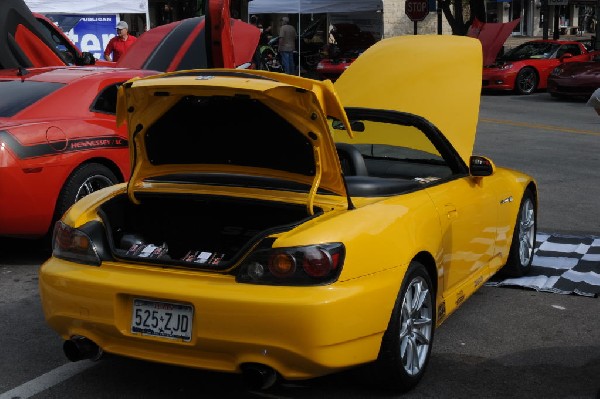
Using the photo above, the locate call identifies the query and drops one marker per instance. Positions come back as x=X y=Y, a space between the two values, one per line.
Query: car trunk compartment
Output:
x=195 y=231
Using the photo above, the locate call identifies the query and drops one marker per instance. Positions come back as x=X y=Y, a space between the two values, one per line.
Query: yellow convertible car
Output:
x=287 y=228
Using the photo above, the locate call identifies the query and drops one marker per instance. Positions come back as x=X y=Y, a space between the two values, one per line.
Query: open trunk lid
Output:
x=244 y=129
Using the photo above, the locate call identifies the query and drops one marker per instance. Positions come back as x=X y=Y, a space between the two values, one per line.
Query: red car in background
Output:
x=525 y=68
x=575 y=80
x=58 y=135
x=350 y=42
x=59 y=141
x=35 y=41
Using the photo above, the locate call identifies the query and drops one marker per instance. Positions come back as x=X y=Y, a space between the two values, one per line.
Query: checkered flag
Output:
x=562 y=264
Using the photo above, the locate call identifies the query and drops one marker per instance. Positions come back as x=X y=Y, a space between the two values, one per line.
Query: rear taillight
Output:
x=301 y=266
x=74 y=245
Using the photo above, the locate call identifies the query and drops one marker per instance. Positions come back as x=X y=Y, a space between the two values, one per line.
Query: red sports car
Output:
x=32 y=40
x=575 y=79
x=525 y=68
x=58 y=135
x=350 y=43
x=58 y=142
x=192 y=44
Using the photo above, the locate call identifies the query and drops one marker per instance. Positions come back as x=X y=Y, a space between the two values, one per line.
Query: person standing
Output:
x=287 y=45
x=118 y=45
x=166 y=16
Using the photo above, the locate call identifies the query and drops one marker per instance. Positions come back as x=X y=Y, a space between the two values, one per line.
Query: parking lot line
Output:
x=48 y=380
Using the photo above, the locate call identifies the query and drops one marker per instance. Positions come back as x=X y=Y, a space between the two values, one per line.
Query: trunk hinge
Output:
x=316 y=181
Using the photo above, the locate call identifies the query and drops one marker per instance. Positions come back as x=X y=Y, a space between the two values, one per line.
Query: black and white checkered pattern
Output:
x=562 y=264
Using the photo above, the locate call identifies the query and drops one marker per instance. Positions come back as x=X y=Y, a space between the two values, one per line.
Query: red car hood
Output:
x=588 y=68
x=492 y=36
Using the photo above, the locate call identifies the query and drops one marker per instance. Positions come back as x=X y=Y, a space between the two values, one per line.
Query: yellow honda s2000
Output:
x=278 y=226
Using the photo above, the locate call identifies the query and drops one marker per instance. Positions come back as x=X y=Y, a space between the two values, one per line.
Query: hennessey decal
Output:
x=45 y=149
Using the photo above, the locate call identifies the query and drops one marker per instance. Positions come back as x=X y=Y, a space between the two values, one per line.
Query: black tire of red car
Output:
x=406 y=344
x=526 y=81
x=84 y=180
x=522 y=246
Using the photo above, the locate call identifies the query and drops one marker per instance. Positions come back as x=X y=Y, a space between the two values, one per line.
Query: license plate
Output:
x=162 y=319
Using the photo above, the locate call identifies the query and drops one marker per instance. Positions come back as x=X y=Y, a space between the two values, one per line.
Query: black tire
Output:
x=406 y=344
x=523 y=241
x=84 y=180
x=527 y=81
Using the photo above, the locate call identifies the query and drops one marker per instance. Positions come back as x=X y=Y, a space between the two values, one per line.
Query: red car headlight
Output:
x=299 y=266
x=505 y=67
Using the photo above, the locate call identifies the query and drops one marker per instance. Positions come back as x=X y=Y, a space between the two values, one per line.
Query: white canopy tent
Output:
x=312 y=6
x=90 y=7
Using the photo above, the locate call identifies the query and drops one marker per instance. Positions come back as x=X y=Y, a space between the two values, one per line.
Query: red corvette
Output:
x=58 y=142
x=525 y=68
x=577 y=80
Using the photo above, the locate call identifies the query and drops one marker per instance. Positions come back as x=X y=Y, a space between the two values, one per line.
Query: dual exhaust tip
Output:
x=256 y=376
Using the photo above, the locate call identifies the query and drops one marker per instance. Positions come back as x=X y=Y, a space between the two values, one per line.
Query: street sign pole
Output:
x=416 y=10
x=595 y=40
x=439 y=17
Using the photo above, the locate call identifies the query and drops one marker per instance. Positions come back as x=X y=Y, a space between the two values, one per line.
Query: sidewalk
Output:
x=514 y=41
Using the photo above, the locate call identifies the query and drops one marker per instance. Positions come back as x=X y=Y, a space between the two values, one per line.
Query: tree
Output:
x=456 y=10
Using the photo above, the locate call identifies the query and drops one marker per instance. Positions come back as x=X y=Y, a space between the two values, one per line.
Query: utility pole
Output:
x=555 y=28
x=595 y=40
x=546 y=11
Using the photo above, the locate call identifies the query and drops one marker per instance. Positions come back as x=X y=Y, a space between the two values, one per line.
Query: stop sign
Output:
x=416 y=10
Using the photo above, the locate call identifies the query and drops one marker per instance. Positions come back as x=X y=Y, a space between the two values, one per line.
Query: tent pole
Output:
x=299 y=45
x=147 y=17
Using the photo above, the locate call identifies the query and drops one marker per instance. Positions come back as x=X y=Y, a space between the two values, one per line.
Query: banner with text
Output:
x=89 y=32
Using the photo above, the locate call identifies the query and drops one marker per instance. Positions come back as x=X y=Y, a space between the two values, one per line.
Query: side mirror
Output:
x=86 y=58
x=480 y=166
x=356 y=126
x=566 y=55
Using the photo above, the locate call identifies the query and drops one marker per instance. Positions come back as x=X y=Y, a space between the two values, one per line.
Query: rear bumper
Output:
x=302 y=332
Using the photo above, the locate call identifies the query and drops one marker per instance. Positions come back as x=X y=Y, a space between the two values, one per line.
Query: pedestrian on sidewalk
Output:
x=287 y=45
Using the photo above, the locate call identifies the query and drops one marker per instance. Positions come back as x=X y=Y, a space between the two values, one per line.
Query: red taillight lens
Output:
x=317 y=263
